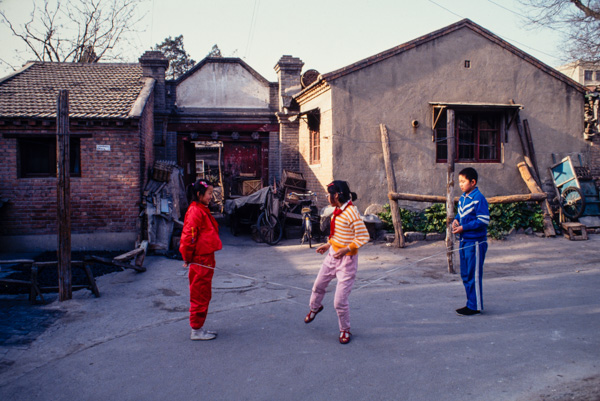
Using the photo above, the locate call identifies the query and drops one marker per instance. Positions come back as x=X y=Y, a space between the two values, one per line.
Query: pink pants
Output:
x=200 y=289
x=344 y=269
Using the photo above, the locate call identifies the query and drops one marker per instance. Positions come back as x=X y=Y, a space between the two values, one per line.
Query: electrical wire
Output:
x=252 y=27
x=502 y=36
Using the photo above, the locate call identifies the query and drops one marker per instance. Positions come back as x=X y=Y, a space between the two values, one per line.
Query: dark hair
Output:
x=193 y=189
x=469 y=173
x=342 y=189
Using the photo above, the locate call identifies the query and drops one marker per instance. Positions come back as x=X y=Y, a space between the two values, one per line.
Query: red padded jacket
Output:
x=200 y=234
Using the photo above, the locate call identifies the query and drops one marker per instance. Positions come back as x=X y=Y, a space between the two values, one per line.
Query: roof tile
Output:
x=98 y=90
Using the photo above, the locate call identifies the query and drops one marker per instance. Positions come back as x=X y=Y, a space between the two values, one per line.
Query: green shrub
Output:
x=503 y=218
x=432 y=219
x=409 y=219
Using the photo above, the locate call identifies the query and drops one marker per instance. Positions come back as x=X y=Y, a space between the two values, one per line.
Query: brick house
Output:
x=223 y=112
x=409 y=88
x=112 y=130
x=122 y=118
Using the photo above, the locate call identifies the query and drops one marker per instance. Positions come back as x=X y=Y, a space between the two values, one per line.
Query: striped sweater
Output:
x=350 y=231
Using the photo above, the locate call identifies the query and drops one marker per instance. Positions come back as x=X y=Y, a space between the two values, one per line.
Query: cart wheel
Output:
x=572 y=202
x=269 y=228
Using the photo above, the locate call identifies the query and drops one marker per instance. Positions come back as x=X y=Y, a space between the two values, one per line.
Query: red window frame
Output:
x=313 y=121
x=476 y=133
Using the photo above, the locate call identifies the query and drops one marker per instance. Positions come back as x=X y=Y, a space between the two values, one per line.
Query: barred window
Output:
x=477 y=137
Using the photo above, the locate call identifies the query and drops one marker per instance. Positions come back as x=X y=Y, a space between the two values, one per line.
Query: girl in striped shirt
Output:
x=348 y=233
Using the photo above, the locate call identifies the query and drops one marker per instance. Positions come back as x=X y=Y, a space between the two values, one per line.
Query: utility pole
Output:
x=63 y=193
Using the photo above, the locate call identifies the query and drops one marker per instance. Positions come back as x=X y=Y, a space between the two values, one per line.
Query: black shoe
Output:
x=466 y=311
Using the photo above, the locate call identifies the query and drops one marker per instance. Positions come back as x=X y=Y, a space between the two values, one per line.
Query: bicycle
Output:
x=310 y=216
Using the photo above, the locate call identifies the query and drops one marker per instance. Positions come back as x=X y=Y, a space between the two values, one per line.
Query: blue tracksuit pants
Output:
x=472 y=255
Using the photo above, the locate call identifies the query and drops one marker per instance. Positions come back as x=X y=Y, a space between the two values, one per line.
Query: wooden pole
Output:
x=221 y=179
x=451 y=141
x=534 y=197
x=63 y=192
x=535 y=189
x=391 y=179
x=531 y=151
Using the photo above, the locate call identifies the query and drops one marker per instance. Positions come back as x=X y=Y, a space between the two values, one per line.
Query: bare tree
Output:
x=76 y=30
x=577 y=20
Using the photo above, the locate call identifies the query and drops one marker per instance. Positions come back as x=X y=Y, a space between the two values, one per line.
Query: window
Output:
x=37 y=157
x=477 y=137
x=588 y=75
x=597 y=75
x=314 y=127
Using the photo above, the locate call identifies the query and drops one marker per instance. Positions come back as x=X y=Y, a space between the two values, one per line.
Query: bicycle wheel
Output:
x=307 y=225
x=572 y=202
x=270 y=228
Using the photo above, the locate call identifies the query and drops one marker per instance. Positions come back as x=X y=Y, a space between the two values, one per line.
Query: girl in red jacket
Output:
x=199 y=242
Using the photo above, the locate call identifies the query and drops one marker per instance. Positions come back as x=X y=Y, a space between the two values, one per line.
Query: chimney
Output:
x=288 y=71
x=154 y=64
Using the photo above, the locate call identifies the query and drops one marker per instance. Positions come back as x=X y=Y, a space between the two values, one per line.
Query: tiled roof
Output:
x=98 y=90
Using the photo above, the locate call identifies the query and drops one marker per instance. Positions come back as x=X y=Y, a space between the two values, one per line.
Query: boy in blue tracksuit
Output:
x=471 y=223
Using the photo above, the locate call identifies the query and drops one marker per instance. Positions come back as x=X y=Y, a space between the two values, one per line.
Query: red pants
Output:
x=200 y=289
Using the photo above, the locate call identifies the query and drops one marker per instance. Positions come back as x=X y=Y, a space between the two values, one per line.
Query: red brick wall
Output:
x=105 y=198
x=147 y=140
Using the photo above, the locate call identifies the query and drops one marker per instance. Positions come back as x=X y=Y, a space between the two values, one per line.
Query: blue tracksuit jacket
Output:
x=474 y=217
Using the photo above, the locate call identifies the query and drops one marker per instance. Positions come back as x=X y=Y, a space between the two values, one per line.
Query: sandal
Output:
x=311 y=315
x=345 y=336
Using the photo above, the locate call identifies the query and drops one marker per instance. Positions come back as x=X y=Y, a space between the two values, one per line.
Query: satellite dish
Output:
x=309 y=77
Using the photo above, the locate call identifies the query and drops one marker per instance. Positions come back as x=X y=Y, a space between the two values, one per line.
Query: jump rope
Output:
x=382 y=277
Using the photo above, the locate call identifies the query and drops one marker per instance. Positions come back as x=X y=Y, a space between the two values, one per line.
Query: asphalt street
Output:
x=537 y=339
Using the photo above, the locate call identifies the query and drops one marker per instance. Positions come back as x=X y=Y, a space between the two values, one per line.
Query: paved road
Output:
x=538 y=337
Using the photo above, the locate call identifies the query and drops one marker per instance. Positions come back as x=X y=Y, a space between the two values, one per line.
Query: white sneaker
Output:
x=202 y=335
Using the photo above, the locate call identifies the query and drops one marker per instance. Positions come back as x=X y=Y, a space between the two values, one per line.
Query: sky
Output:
x=324 y=34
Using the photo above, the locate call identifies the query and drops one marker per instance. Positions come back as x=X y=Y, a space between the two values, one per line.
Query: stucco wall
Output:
x=398 y=90
x=317 y=175
x=227 y=85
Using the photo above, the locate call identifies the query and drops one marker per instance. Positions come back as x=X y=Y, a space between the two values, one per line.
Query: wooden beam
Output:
x=451 y=146
x=63 y=191
x=531 y=151
x=391 y=180
x=535 y=189
x=535 y=197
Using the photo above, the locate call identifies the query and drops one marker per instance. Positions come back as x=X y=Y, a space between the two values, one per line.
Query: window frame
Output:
x=46 y=144
x=313 y=123
x=478 y=115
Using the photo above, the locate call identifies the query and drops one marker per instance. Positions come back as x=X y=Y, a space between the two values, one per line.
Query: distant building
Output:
x=586 y=73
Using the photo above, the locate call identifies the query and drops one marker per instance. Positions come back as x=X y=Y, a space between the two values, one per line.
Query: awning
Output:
x=438 y=107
